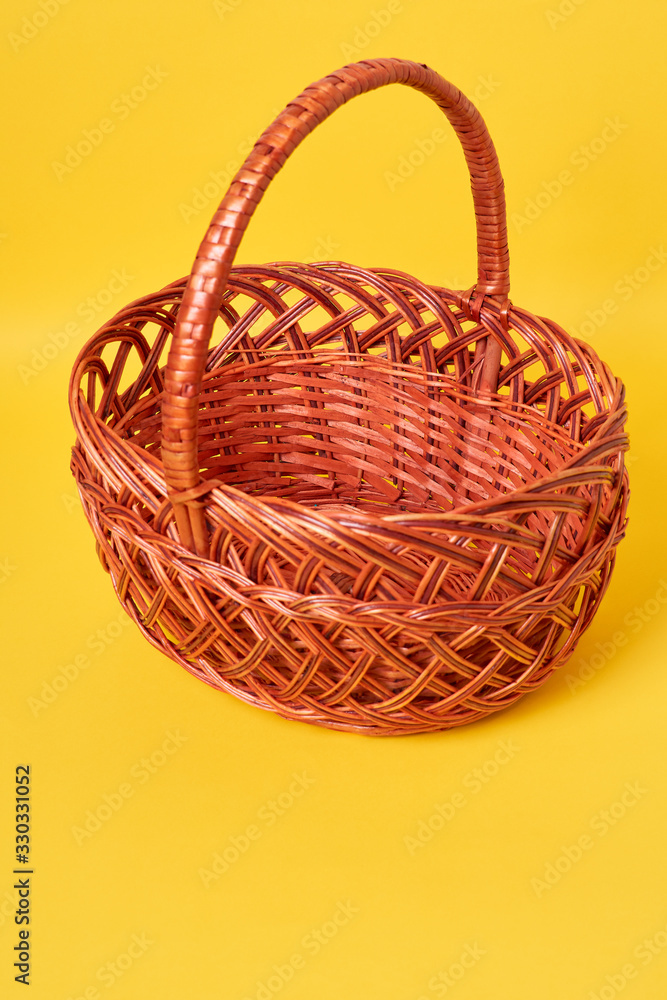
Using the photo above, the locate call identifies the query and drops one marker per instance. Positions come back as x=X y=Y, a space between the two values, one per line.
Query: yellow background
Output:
x=558 y=71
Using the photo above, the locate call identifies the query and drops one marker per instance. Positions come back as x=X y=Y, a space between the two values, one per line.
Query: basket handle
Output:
x=207 y=282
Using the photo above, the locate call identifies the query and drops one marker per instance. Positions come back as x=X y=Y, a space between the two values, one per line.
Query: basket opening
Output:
x=331 y=431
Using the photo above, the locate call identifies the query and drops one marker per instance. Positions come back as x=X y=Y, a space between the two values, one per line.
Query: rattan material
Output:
x=373 y=504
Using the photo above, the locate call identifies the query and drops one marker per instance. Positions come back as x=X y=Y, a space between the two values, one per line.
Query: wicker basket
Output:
x=373 y=505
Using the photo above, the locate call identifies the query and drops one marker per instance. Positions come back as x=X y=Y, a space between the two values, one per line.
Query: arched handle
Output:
x=207 y=283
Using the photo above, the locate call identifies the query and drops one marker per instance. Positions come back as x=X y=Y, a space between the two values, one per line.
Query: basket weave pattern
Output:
x=372 y=504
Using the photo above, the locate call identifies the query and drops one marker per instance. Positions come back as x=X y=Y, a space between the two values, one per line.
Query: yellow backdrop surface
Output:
x=184 y=844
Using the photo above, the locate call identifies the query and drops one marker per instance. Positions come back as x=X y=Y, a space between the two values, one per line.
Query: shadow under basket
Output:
x=373 y=505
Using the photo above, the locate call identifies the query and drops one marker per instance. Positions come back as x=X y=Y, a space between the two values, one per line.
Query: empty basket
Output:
x=370 y=503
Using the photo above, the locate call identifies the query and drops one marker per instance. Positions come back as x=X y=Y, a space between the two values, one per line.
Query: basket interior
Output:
x=367 y=433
